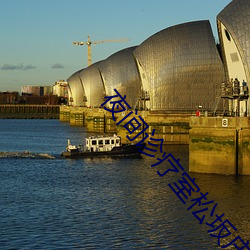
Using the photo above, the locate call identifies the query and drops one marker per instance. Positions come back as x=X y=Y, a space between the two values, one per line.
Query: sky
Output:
x=36 y=35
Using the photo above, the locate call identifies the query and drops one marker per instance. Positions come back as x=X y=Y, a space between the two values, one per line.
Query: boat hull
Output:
x=131 y=151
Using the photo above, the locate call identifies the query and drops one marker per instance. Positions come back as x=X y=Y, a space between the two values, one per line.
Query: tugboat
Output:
x=103 y=146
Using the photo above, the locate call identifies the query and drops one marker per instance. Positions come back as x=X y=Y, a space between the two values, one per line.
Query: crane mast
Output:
x=89 y=43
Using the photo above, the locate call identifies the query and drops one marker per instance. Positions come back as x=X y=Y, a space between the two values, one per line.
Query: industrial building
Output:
x=40 y=95
x=37 y=90
x=60 y=89
x=176 y=70
x=9 y=97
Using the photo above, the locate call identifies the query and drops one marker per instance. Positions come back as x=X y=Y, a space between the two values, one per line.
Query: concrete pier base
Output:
x=219 y=145
x=64 y=113
x=173 y=129
x=216 y=144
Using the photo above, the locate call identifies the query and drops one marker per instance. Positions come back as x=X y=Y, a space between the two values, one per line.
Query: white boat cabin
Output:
x=104 y=143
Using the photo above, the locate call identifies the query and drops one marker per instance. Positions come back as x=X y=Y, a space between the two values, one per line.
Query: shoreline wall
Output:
x=26 y=111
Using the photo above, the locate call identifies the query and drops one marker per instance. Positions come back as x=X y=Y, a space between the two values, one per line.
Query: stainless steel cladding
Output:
x=175 y=70
x=180 y=67
x=234 y=31
x=93 y=85
x=119 y=71
x=75 y=90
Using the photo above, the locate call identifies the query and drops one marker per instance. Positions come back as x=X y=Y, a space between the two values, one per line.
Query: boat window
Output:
x=117 y=141
x=107 y=142
x=112 y=141
x=93 y=142
x=100 y=142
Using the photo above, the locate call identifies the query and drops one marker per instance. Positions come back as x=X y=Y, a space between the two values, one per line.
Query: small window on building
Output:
x=107 y=142
x=234 y=57
x=227 y=35
x=94 y=142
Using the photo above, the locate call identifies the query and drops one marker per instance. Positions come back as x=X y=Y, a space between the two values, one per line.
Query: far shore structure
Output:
x=169 y=77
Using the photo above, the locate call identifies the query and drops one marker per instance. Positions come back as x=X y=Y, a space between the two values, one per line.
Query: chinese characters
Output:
x=202 y=208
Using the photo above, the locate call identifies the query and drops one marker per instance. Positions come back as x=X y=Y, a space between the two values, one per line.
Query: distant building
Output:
x=39 y=95
x=9 y=97
x=40 y=100
x=30 y=90
x=60 y=89
x=47 y=90
x=37 y=90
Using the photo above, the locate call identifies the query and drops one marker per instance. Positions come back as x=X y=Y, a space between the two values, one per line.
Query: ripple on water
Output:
x=100 y=203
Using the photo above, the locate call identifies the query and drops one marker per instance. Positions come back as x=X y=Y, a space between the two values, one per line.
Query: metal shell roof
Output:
x=93 y=85
x=119 y=71
x=236 y=18
x=182 y=67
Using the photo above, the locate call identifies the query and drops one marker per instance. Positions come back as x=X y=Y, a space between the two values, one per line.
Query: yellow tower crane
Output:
x=89 y=43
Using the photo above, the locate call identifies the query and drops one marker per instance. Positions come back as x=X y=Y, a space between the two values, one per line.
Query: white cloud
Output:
x=21 y=66
x=57 y=66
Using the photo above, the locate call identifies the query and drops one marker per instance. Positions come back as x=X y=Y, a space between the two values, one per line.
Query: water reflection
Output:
x=232 y=195
x=102 y=203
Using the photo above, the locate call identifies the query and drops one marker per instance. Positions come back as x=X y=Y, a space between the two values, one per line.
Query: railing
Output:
x=24 y=111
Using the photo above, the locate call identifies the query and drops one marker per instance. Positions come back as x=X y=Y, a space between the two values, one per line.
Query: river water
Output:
x=52 y=203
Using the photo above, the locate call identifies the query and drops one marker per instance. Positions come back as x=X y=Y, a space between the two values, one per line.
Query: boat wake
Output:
x=26 y=154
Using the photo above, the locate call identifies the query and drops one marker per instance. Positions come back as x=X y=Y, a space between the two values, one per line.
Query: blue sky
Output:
x=36 y=35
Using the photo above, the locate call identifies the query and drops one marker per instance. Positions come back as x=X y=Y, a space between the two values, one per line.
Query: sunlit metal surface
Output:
x=236 y=18
x=76 y=91
x=93 y=85
x=234 y=33
x=181 y=67
x=119 y=71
